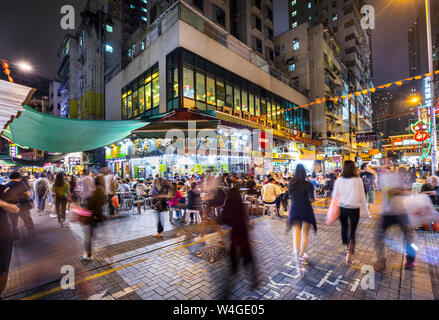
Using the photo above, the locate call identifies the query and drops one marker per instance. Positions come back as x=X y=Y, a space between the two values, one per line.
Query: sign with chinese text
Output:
x=365 y=137
x=13 y=150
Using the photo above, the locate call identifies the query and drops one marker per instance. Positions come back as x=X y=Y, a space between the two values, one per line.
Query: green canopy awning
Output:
x=54 y=134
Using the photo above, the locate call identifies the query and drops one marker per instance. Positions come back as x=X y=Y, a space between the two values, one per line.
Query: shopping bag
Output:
x=80 y=215
x=420 y=210
x=333 y=212
x=115 y=201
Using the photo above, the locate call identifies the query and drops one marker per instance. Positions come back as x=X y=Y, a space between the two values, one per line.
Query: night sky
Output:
x=389 y=39
x=30 y=31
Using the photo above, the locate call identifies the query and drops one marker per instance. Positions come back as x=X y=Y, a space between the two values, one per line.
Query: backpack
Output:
x=367 y=183
x=41 y=188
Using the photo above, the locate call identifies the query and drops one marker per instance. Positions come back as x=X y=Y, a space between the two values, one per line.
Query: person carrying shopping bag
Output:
x=349 y=192
x=301 y=213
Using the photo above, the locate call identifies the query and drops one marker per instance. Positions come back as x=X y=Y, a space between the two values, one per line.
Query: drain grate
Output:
x=212 y=254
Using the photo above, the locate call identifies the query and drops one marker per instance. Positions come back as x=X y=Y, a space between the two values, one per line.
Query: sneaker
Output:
x=52 y=215
x=304 y=258
x=158 y=235
x=86 y=258
x=409 y=266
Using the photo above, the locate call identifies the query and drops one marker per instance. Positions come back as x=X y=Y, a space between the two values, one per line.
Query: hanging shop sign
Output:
x=365 y=137
x=13 y=150
x=421 y=136
x=420 y=126
x=74 y=161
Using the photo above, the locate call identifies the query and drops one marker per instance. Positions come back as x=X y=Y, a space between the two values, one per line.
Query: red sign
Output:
x=263 y=141
x=421 y=136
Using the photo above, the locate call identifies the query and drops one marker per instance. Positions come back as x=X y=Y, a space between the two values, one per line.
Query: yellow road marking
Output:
x=98 y=275
x=101 y=274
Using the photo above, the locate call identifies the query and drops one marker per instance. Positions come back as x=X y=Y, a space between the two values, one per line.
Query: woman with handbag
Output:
x=301 y=214
x=349 y=192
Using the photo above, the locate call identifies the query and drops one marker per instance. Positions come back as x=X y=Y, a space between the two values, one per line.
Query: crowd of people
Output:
x=216 y=200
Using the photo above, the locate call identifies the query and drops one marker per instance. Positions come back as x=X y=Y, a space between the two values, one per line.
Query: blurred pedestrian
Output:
x=62 y=192
x=301 y=214
x=18 y=192
x=235 y=216
x=369 y=182
x=6 y=237
x=394 y=212
x=160 y=199
x=94 y=204
x=41 y=188
x=349 y=192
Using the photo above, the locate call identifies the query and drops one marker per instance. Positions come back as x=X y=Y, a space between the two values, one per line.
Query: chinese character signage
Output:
x=365 y=137
x=13 y=150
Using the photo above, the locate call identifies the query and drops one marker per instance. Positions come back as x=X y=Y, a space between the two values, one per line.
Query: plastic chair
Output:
x=197 y=216
x=269 y=207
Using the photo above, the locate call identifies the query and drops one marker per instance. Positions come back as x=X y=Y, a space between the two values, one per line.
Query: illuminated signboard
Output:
x=427 y=91
x=13 y=150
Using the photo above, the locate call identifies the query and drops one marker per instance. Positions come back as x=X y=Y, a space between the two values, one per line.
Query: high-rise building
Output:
x=188 y=65
x=133 y=14
x=89 y=57
x=341 y=21
x=311 y=57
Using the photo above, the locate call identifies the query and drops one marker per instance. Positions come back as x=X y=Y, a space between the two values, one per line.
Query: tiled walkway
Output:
x=131 y=264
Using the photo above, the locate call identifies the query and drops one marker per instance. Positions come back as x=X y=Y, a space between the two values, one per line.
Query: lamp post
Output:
x=431 y=106
x=22 y=65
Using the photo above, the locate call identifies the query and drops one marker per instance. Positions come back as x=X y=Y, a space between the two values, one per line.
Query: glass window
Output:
x=109 y=28
x=130 y=107
x=210 y=84
x=175 y=82
x=294 y=13
x=188 y=82
x=136 y=103
x=292 y=67
x=142 y=100
x=148 y=97
x=124 y=111
x=237 y=99
x=257 y=106
x=108 y=48
x=309 y=5
x=295 y=44
x=156 y=92
x=269 y=115
x=251 y=104
x=294 y=25
x=201 y=86
x=293 y=3
x=244 y=101
x=263 y=107
x=229 y=96
x=220 y=94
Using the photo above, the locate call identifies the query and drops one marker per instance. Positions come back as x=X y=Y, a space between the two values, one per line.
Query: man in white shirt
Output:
x=110 y=189
x=87 y=185
x=270 y=192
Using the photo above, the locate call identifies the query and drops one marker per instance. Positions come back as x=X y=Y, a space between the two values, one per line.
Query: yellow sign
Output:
x=307 y=154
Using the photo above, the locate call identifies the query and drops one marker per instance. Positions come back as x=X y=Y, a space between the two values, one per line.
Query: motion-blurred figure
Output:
x=41 y=188
x=394 y=212
x=160 y=199
x=6 y=238
x=234 y=215
x=94 y=204
x=18 y=191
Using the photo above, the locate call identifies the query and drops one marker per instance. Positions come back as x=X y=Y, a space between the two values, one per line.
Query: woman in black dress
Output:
x=301 y=212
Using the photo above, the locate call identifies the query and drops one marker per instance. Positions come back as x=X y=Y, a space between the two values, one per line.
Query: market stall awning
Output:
x=12 y=98
x=54 y=134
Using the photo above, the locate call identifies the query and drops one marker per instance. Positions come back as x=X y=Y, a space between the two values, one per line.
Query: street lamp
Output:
x=24 y=66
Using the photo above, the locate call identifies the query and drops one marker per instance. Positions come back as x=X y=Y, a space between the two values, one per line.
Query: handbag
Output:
x=333 y=212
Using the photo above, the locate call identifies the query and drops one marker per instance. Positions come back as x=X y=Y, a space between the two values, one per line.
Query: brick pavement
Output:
x=133 y=265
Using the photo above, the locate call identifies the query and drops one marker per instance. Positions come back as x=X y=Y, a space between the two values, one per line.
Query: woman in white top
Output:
x=349 y=191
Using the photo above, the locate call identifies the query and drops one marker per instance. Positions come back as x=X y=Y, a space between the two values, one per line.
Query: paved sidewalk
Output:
x=133 y=265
